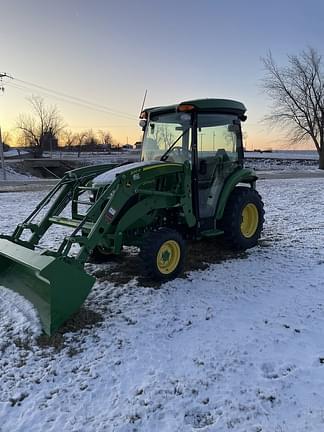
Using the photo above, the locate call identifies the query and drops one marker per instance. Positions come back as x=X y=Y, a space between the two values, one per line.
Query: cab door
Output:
x=219 y=146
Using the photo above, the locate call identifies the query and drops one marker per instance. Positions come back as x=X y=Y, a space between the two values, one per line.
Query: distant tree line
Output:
x=44 y=129
x=87 y=140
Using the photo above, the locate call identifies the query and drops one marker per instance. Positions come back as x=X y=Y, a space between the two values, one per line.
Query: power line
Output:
x=26 y=86
x=60 y=98
x=80 y=100
x=2 y=75
x=101 y=126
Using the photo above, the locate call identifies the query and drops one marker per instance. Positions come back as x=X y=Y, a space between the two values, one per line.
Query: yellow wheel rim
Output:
x=168 y=257
x=250 y=220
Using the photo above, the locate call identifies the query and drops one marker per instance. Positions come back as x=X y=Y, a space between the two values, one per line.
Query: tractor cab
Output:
x=207 y=134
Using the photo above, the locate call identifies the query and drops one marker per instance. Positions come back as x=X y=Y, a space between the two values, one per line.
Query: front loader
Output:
x=190 y=183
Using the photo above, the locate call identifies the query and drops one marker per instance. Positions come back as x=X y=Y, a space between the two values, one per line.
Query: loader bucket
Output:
x=56 y=288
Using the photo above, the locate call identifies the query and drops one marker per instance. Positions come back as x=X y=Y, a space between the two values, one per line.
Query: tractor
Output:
x=189 y=184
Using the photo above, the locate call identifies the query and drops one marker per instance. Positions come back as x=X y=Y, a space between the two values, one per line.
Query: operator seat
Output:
x=210 y=183
x=212 y=163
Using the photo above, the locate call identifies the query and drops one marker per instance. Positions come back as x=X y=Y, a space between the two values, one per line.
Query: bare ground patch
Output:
x=80 y=321
x=120 y=270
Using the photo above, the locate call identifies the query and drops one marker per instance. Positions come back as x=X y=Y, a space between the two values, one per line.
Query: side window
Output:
x=217 y=136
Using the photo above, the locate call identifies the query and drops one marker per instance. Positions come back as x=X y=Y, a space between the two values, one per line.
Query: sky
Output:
x=108 y=53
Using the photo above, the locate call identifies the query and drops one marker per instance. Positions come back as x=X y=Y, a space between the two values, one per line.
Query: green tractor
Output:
x=189 y=184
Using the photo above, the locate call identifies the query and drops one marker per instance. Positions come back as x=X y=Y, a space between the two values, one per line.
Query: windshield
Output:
x=167 y=136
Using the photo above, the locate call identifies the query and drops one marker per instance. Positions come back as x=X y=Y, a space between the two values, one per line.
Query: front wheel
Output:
x=163 y=254
x=243 y=218
x=101 y=255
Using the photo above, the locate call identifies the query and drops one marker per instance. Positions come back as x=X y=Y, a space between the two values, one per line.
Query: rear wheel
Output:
x=163 y=254
x=243 y=218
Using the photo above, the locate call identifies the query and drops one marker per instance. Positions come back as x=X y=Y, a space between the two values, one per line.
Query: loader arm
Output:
x=55 y=280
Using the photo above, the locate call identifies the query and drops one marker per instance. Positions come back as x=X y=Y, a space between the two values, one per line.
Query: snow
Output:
x=235 y=347
x=283 y=161
x=11 y=174
x=109 y=176
x=282 y=165
x=14 y=152
x=17 y=317
x=97 y=158
x=282 y=154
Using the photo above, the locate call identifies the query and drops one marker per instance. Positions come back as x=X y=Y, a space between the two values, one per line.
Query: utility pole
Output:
x=50 y=135
x=201 y=137
x=2 y=75
x=2 y=158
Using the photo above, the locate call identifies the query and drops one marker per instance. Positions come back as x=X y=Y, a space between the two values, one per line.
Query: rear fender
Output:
x=243 y=175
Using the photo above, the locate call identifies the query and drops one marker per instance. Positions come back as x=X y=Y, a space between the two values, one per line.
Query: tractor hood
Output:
x=109 y=176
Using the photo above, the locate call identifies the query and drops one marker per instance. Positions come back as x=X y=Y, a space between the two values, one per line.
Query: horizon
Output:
x=94 y=62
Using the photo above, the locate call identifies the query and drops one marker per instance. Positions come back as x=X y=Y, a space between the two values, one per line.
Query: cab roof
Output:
x=226 y=106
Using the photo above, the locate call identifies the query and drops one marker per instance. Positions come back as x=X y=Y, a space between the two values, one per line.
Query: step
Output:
x=74 y=223
x=212 y=233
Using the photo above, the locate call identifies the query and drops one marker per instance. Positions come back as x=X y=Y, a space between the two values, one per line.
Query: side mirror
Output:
x=142 y=123
x=203 y=167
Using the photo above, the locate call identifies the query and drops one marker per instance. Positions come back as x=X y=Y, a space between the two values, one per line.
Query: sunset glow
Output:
x=108 y=53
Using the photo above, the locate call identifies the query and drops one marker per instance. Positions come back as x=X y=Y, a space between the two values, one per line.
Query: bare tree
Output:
x=166 y=136
x=68 y=138
x=163 y=136
x=297 y=92
x=91 y=141
x=44 y=122
x=105 y=138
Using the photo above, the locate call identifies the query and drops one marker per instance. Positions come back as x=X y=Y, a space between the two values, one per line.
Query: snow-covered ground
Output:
x=281 y=165
x=283 y=154
x=11 y=174
x=277 y=161
x=15 y=152
x=237 y=346
x=93 y=158
x=285 y=161
x=265 y=161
